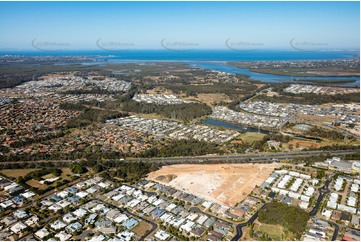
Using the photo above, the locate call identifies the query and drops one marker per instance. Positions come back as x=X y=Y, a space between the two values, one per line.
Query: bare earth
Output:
x=226 y=184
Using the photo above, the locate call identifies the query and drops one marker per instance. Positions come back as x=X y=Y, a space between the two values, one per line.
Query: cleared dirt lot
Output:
x=225 y=184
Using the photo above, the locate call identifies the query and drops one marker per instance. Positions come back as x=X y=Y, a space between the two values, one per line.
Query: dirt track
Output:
x=225 y=184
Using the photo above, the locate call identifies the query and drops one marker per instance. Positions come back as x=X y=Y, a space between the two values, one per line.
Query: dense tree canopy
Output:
x=292 y=218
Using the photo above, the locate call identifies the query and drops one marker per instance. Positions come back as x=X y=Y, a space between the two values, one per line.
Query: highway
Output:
x=234 y=158
x=242 y=158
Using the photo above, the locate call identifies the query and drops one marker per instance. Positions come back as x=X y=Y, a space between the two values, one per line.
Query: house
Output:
x=32 y=220
x=54 y=207
x=192 y=216
x=345 y=217
x=73 y=199
x=221 y=227
x=82 y=194
x=55 y=198
x=20 y=214
x=46 y=203
x=209 y=222
x=68 y=218
x=177 y=222
x=71 y=228
x=170 y=207
x=6 y=203
x=105 y=226
x=336 y=215
x=104 y=184
x=8 y=220
x=27 y=194
x=355 y=221
x=121 y=218
x=63 y=194
x=57 y=225
x=327 y=213
x=98 y=238
x=162 y=235
x=72 y=190
x=91 y=190
x=18 y=199
x=207 y=204
x=351 y=235
x=118 y=197
x=125 y=235
x=90 y=205
x=80 y=212
x=197 y=230
x=91 y=219
x=214 y=236
x=63 y=236
x=157 y=213
x=18 y=227
x=130 y=223
x=187 y=226
x=113 y=213
x=202 y=219
x=148 y=209
x=63 y=203
x=42 y=233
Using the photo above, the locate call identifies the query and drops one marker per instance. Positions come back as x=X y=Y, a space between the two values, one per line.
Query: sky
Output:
x=157 y=25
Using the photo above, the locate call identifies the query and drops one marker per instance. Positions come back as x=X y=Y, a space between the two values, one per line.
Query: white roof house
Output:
x=327 y=213
x=162 y=235
x=121 y=218
x=82 y=194
x=125 y=235
x=309 y=192
x=63 y=194
x=202 y=219
x=192 y=216
x=57 y=225
x=170 y=207
x=68 y=218
x=314 y=181
x=187 y=226
x=55 y=207
x=351 y=201
x=20 y=214
x=118 y=197
x=18 y=227
x=80 y=212
x=207 y=204
x=42 y=233
x=28 y=194
x=305 y=198
x=304 y=205
x=63 y=236
x=32 y=220
x=63 y=203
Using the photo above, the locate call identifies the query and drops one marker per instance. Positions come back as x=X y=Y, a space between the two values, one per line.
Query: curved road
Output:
x=240 y=226
x=323 y=191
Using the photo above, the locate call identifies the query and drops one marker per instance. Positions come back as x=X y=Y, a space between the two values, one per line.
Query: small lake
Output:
x=229 y=125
